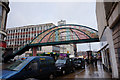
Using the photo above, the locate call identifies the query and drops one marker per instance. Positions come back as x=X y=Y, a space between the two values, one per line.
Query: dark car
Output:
x=79 y=62
x=65 y=65
x=30 y=67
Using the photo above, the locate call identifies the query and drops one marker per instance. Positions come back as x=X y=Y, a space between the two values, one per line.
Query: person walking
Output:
x=95 y=60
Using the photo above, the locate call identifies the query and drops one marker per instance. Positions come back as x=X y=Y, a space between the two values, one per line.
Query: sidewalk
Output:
x=92 y=71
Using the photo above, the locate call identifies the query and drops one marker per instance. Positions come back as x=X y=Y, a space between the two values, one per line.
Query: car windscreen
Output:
x=17 y=65
x=77 y=60
x=60 y=61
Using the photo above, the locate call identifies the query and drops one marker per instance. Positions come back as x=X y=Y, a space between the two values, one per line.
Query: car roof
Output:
x=77 y=58
x=33 y=57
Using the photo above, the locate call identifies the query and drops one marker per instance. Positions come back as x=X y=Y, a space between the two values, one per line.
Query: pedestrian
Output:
x=95 y=59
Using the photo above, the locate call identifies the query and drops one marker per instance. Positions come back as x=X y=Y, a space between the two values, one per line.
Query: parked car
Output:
x=65 y=65
x=79 y=62
x=30 y=67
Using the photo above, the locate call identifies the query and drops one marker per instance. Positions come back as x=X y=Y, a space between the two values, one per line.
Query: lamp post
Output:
x=89 y=46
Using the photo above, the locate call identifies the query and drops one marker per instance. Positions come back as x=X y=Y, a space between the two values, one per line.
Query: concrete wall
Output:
x=47 y=49
x=101 y=21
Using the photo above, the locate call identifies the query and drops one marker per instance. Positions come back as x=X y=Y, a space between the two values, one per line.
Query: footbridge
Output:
x=57 y=35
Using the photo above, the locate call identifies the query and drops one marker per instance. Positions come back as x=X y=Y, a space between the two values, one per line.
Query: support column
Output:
x=75 y=50
x=112 y=53
x=34 y=51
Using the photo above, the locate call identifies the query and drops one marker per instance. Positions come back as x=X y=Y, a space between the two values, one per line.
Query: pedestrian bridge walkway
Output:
x=58 y=35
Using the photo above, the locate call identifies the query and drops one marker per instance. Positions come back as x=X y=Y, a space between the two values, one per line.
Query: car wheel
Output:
x=63 y=72
x=73 y=69
x=51 y=76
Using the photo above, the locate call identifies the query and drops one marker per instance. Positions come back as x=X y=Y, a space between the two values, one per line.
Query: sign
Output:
x=42 y=58
x=3 y=44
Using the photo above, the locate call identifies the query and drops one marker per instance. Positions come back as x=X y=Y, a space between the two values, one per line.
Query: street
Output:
x=90 y=72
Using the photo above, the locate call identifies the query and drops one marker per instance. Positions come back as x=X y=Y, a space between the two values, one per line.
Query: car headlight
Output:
x=59 y=67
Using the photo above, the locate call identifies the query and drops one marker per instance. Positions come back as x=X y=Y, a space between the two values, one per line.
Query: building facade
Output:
x=108 y=19
x=4 y=9
x=20 y=36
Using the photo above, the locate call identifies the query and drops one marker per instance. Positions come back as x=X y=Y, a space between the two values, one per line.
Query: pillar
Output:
x=4 y=9
x=112 y=53
x=34 y=51
x=75 y=50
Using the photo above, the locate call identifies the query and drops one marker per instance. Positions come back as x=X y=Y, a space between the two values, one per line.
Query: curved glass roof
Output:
x=68 y=32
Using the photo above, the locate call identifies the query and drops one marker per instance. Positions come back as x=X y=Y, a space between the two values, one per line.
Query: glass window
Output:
x=37 y=28
x=26 y=30
x=33 y=65
x=32 y=29
x=41 y=27
x=17 y=65
x=60 y=61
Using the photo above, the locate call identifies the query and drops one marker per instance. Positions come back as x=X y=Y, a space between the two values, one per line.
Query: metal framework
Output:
x=64 y=34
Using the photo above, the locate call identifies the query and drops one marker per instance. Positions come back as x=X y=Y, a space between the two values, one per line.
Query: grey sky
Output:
x=33 y=13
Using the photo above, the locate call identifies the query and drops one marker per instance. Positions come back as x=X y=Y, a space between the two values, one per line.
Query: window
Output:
x=32 y=29
x=35 y=29
x=59 y=61
x=41 y=27
x=26 y=30
x=33 y=65
x=38 y=29
x=43 y=63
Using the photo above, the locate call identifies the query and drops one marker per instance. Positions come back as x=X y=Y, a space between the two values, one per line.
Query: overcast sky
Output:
x=33 y=13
